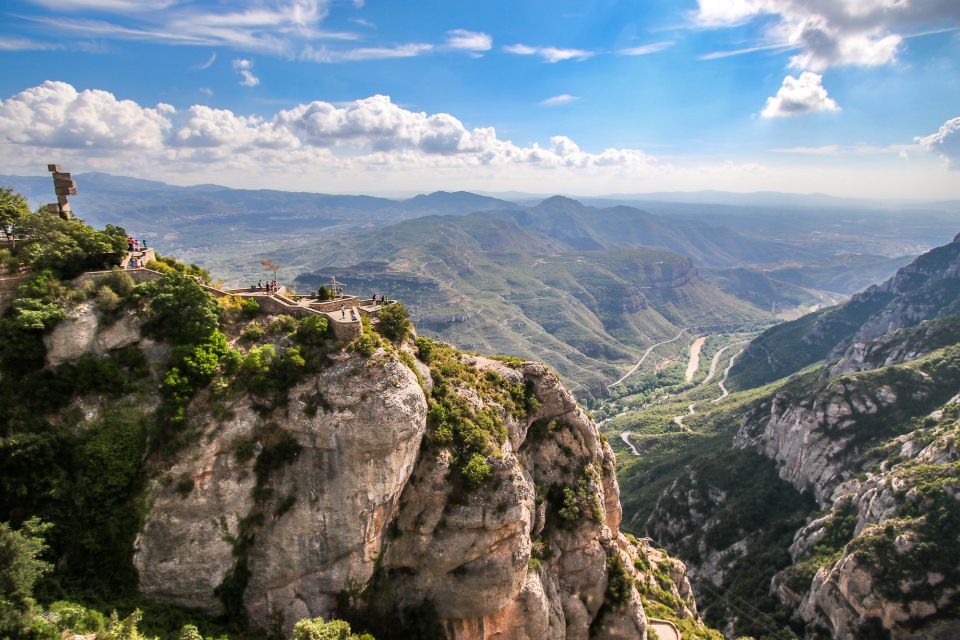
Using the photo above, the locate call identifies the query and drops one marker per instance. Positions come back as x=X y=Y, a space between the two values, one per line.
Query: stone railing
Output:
x=344 y=329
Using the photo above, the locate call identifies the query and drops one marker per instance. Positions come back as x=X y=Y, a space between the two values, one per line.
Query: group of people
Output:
x=379 y=299
x=270 y=287
x=136 y=263
x=136 y=245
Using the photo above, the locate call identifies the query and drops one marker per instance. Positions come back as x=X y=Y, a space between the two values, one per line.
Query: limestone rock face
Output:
x=448 y=544
x=84 y=331
x=817 y=440
x=361 y=495
x=319 y=523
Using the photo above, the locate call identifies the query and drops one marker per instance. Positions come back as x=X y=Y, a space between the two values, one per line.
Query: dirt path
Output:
x=726 y=374
x=714 y=363
x=644 y=357
x=694 y=363
x=625 y=436
x=678 y=420
x=692 y=408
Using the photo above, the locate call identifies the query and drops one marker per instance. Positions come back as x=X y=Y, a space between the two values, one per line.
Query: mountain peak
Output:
x=564 y=202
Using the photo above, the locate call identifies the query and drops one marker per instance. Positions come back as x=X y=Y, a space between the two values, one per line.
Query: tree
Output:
x=180 y=309
x=394 y=322
x=270 y=265
x=69 y=247
x=13 y=206
x=20 y=568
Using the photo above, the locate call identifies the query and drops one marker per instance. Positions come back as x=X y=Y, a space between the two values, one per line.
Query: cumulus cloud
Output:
x=798 y=96
x=945 y=142
x=56 y=115
x=372 y=132
x=549 y=54
x=469 y=40
x=831 y=32
x=563 y=98
x=245 y=68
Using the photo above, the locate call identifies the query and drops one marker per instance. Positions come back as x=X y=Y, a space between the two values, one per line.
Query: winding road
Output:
x=726 y=374
x=691 y=409
x=644 y=357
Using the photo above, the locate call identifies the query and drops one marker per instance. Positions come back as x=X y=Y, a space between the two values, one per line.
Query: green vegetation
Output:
x=474 y=435
x=619 y=582
x=66 y=247
x=168 y=266
x=13 y=207
x=394 y=323
x=21 y=567
x=836 y=533
x=317 y=629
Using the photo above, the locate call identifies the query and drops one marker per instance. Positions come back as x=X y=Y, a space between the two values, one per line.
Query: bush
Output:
x=283 y=324
x=317 y=629
x=477 y=471
x=619 y=582
x=107 y=300
x=311 y=331
x=180 y=309
x=366 y=344
x=253 y=333
x=117 y=281
x=394 y=322
x=20 y=568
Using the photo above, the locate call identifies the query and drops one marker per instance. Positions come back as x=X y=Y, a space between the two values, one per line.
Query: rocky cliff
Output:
x=836 y=490
x=415 y=487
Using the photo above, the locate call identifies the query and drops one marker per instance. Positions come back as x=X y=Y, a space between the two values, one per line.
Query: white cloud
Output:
x=945 y=142
x=646 y=49
x=798 y=96
x=469 y=40
x=333 y=56
x=279 y=28
x=375 y=145
x=372 y=132
x=206 y=65
x=9 y=43
x=563 y=98
x=207 y=91
x=831 y=32
x=549 y=54
x=107 y=5
x=56 y=115
x=244 y=67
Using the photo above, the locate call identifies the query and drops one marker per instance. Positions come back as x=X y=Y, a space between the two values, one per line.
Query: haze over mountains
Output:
x=585 y=288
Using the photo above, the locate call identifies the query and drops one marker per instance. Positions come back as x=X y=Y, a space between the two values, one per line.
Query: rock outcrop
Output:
x=365 y=501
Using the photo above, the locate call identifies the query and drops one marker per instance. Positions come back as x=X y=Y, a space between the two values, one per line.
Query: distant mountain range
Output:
x=927 y=288
x=584 y=289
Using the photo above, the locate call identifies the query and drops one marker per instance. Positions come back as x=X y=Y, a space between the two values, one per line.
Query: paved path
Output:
x=644 y=357
x=694 y=363
x=726 y=374
x=665 y=629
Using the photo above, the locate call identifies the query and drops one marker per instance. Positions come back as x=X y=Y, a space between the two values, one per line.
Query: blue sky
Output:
x=852 y=97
